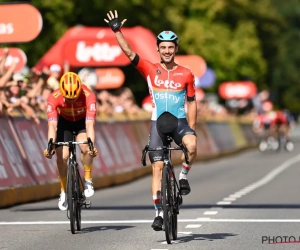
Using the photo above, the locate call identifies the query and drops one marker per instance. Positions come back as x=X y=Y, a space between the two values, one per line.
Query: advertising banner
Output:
x=20 y=22
x=13 y=167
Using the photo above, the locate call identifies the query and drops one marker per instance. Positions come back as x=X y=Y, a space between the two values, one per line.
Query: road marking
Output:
x=193 y=226
x=185 y=233
x=210 y=212
x=223 y=202
x=229 y=199
x=203 y=218
x=147 y=221
x=263 y=181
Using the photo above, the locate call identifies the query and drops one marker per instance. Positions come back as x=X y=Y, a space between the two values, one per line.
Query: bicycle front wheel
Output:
x=175 y=207
x=77 y=201
x=167 y=204
x=71 y=197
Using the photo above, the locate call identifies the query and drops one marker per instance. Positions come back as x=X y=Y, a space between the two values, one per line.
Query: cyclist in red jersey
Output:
x=270 y=123
x=170 y=86
x=72 y=109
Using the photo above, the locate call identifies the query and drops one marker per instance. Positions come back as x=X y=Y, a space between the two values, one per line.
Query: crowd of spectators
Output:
x=26 y=92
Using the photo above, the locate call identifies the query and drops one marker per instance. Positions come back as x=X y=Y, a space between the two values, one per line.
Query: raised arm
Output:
x=116 y=25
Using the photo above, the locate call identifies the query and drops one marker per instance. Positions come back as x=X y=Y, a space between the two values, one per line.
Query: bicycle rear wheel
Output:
x=77 y=201
x=167 y=204
x=71 y=197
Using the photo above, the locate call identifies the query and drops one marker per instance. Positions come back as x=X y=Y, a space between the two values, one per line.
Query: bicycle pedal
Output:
x=179 y=200
x=88 y=204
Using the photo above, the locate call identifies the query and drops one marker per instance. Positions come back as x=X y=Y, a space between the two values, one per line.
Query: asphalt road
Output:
x=246 y=201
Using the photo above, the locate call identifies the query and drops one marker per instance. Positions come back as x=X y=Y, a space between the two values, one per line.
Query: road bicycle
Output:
x=170 y=191
x=75 y=195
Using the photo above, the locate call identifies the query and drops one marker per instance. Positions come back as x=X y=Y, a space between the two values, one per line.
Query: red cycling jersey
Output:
x=168 y=88
x=84 y=106
x=273 y=118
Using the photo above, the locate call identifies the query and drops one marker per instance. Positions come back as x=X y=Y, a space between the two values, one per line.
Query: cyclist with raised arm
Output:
x=72 y=109
x=170 y=85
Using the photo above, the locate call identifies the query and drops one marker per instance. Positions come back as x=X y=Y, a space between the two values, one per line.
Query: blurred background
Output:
x=236 y=48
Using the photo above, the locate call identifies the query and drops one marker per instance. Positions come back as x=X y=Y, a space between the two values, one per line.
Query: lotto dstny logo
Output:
x=280 y=239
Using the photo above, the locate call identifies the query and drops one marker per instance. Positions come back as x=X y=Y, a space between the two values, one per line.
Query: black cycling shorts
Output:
x=169 y=125
x=66 y=129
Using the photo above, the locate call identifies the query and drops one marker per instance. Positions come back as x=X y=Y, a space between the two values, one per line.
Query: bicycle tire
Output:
x=77 y=202
x=175 y=208
x=71 y=198
x=167 y=204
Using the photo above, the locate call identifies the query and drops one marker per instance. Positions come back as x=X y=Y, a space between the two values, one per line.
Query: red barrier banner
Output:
x=205 y=143
x=13 y=168
x=105 y=154
x=124 y=146
x=34 y=146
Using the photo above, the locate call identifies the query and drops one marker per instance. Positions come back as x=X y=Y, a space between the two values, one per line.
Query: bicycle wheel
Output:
x=71 y=198
x=77 y=201
x=175 y=207
x=167 y=205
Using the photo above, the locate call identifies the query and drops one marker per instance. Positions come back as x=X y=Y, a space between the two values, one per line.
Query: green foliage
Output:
x=257 y=39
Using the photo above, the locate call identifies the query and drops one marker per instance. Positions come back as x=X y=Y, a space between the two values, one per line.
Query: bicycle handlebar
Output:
x=51 y=143
x=148 y=149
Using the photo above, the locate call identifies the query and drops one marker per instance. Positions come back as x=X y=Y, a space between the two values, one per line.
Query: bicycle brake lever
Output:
x=50 y=144
x=184 y=150
x=145 y=150
x=91 y=146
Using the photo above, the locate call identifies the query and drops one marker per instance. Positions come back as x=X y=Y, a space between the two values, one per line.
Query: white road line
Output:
x=149 y=221
x=193 y=226
x=203 y=218
x=229 y=199
x=210 y=212
x=223 y=202
x=185 y=233
x=263 y=181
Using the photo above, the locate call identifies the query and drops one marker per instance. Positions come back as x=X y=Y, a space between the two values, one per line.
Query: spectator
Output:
x=53 y=80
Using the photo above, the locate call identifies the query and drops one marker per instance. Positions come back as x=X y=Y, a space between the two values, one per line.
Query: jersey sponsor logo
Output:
x=158 y=72
x=72 y=111
x=79 y=111
x=78 y=103
x=49 y=109
x=167 y=84
x=160 y=96
x=86 y=93
x=56 y=94
x=178 y=74
x=93 y=107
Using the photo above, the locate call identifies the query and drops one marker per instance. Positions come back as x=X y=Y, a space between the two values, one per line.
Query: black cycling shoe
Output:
x=157 y=223
x=184 y=187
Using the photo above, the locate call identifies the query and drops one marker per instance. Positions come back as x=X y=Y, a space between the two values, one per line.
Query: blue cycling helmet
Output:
x=167 y=36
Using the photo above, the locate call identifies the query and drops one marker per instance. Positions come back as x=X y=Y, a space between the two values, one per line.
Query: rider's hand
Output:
x=46 y=153
x=113 y=21
x=94 y=153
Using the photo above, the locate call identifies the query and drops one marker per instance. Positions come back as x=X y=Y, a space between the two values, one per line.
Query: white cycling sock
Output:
x=184 y=171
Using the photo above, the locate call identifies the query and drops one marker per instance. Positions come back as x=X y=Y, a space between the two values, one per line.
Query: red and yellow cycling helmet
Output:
x=70 y=85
